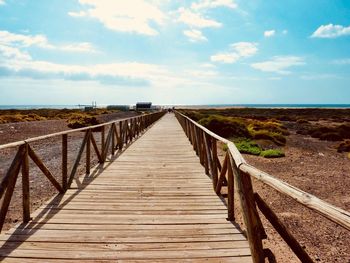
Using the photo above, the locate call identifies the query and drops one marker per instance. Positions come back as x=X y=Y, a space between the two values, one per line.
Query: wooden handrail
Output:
x=129 y=128
x=38 y=138
x=243 y=173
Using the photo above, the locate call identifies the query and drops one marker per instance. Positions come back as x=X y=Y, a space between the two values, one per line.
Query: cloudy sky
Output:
x=174 y=52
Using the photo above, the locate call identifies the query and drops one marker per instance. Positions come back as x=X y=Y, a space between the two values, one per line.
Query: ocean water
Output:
x=29 y=107
x=334 y=106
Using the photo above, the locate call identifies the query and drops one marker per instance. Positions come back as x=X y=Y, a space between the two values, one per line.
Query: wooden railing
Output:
x=234 y=171
x=121 y=133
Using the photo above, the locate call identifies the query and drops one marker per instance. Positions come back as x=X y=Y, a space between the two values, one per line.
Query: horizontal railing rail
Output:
x=120 y=134
x=235 y=171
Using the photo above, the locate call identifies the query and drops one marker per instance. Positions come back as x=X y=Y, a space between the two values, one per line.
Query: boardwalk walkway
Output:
x=153 y=203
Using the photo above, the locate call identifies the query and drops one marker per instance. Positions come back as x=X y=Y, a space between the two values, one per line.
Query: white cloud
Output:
x=239 y=50
x=13 y=53
x=319 y=76
x=269 y=33
x=196 y=19
x=19 y=40
x=279 y=64
x=331 y=31
x=207 y=65
x=207 y=4
x=23 y=40
x=135 y=16
x=2 y=2
x=77 y=14
x=227 y=58
x=80 y=47
x=245 y=49
x=195 y=35
x=344 y=61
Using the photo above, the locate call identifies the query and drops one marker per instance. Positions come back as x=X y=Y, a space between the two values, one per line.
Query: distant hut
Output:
x=143 y=106
x=118 y=107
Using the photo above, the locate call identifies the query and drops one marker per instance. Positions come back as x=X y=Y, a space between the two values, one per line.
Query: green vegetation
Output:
x=235 y=127
x=248 y=147
x=251 y=147
x=272 y=153
x=244 y=131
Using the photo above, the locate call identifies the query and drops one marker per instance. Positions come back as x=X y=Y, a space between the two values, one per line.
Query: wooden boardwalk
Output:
x=153 y=203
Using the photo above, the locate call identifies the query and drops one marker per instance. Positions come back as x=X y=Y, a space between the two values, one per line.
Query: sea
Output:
x=332 y=106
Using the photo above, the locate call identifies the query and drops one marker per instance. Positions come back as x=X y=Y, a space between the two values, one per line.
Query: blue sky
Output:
x=174 y=52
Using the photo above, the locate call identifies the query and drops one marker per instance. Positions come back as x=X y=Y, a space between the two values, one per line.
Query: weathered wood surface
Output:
x=153 y=203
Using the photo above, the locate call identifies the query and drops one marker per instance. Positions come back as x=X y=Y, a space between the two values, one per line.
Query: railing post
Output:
x=113 y=139
x=230 y=192
x=64 y=161
x=215 y=158
x=25 y=186
x=249 y=212
x=120 y=136
x=103 y=132
x=88 y=152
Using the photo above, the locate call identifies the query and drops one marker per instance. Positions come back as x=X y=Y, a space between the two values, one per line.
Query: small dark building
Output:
x=143 y=106
x=118 y=107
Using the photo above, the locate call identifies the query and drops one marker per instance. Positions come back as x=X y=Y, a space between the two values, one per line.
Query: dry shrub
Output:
x=81 y=120
x=343 y=147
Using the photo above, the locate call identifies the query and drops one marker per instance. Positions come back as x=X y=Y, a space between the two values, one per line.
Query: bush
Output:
x=225 y=126
x=82 y=120
x=272 y=153
x=248 y=146
x=331 y=136
x=344 y=147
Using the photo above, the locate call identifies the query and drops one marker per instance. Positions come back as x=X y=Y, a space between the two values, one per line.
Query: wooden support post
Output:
x=94 y=144
x=230 y=192
x=103 y=132
x=88 y=152
x=200 y=140
x=249 y=212
x=222 y=175
x=113 y=139
x=207 y=145
x=25 y=186
x=76 y=163
x=64 y=161
x=44 y=169
x=215 y=165
x=14 y=168
x=282 y=230
x=12 y=179
x=121 y=142
x=205 y=156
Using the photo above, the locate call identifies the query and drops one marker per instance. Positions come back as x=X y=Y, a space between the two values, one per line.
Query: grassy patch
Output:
x=272 y=153
x=248 y=147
